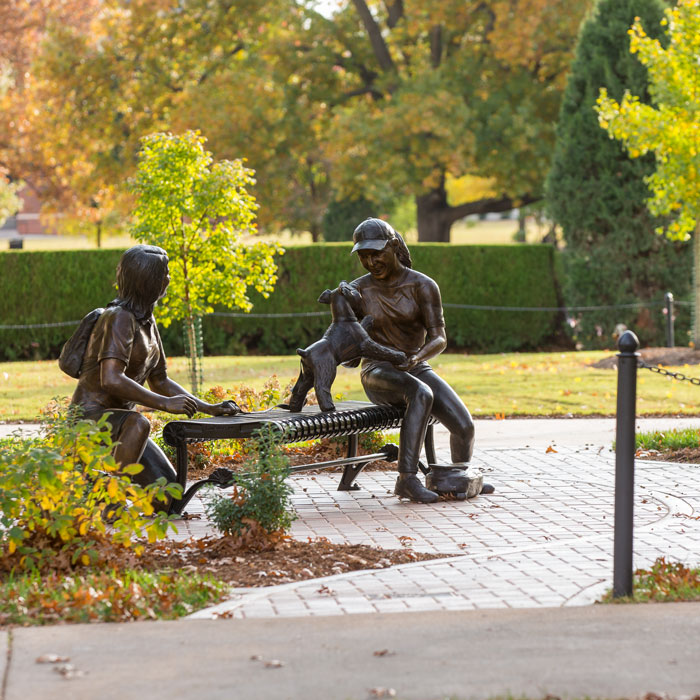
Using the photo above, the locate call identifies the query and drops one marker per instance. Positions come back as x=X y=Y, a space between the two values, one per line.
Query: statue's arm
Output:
x=116 y=383
x=435 y=343
x=430 y=303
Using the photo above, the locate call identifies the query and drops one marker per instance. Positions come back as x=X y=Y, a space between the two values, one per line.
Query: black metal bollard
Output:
x=624 y=463
x=670 y=339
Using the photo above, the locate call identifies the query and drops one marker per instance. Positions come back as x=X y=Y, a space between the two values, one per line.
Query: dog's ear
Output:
x=325 y=297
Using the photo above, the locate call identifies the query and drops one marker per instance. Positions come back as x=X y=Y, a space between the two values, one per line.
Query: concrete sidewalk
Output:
x=594 y=651
x=521 y=432
x=542 y=543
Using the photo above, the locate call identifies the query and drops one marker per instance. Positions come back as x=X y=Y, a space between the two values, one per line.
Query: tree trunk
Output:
x=315 y=231
x=696 y=286
x=433 y=224
x=192 y=328
x=435 y=216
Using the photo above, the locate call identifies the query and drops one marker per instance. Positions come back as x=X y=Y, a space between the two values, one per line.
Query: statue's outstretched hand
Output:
x=227 y=408
x=181 y=403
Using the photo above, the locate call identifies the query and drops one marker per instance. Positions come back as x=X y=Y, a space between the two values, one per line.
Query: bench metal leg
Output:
x=181 y=465
x=351 y=470
x=430 y=446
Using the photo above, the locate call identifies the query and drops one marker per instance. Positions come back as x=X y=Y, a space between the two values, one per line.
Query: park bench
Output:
x=351 y=418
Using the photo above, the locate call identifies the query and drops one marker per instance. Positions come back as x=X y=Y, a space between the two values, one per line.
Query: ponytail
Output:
x=402 y=252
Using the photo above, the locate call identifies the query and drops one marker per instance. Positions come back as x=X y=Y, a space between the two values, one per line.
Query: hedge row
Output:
x=56 y=286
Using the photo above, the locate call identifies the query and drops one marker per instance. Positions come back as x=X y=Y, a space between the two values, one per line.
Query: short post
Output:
x=624 y=463
x=670 y=341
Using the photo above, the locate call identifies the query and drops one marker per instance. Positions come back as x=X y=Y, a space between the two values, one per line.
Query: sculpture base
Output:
x=452 y=480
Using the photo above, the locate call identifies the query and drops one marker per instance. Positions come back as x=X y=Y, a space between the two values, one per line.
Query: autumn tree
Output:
x=668 y=128
x=197 y=209
x=9 y=201
x=94 y=88
x=382 y=100
x=437 y=88
x=24 y=26
x=597 y=193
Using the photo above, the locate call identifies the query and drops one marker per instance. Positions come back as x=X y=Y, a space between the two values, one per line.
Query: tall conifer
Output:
x=597 y=193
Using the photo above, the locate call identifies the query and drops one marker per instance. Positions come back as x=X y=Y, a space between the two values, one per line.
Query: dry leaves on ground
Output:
x=687 y=455
x=289 y=561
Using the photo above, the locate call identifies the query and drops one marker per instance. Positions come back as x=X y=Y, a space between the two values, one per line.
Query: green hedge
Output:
x=50 y=287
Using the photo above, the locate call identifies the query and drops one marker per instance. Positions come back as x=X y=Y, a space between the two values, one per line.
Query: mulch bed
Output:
x=668 y=357
x=687 y=455
x=242 y=564
x=289 y=561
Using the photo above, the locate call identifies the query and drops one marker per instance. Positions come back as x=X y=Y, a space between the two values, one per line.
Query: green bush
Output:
x=65 y=285
x=56 y=489
x=258 y=509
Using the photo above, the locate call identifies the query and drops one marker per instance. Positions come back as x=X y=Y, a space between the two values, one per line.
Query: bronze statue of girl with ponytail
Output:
x=407 y=310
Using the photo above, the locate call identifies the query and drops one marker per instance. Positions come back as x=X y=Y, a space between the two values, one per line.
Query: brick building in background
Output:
x=26 y=222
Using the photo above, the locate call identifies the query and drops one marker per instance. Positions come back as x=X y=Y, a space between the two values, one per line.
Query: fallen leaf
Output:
x=324 y=590
x=274 y=663
x=51 y=659
x=68 y=671
x=549 y=449
x=382 y=692
x=383 y=652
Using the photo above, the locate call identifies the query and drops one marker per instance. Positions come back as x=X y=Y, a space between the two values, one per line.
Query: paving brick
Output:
x=543 y=539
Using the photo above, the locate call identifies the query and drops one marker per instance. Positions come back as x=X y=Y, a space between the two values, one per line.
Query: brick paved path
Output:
x=543 y=539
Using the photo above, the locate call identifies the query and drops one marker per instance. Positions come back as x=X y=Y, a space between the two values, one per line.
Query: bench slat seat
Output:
x=351 y=418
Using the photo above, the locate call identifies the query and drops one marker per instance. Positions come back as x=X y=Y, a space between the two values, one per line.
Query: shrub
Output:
x=64 y=285
x=105 y=596
x=257 y=512
x=55 y=492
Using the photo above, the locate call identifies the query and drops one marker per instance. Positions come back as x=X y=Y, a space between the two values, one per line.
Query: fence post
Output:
x=670 y=339
x=624 y=463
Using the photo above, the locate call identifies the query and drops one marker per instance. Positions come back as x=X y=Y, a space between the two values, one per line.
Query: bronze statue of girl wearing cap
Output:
x=407 y=310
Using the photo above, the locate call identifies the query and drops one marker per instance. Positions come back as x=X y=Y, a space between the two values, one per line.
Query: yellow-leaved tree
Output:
x=669 y=128
x=197 y=210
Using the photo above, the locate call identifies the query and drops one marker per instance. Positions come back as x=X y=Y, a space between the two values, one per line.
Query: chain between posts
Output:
x=667 y=373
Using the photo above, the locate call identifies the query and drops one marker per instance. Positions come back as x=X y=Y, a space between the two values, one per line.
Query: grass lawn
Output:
x=503 y=385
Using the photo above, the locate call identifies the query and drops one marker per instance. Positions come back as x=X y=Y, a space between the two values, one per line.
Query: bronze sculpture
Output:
x=345 y=340
x=406 y=309
x=123 y=351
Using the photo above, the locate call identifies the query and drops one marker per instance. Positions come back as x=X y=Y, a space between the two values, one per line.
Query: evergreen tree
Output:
x=597 y=193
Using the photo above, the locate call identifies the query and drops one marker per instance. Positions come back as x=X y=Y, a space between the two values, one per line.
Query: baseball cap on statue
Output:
x=372 y=234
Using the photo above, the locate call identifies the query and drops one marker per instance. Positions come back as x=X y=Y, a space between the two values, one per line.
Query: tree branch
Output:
x=395 y=12
x=381 y=51
x=436 y=45
x=488 y=206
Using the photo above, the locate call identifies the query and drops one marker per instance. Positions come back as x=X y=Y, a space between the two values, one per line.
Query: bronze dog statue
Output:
x=345 y=340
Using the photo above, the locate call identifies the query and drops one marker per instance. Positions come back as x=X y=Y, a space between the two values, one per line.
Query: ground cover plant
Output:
x=64 y=497
x=676 y=445
x=501 y=385
x=664 y=581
